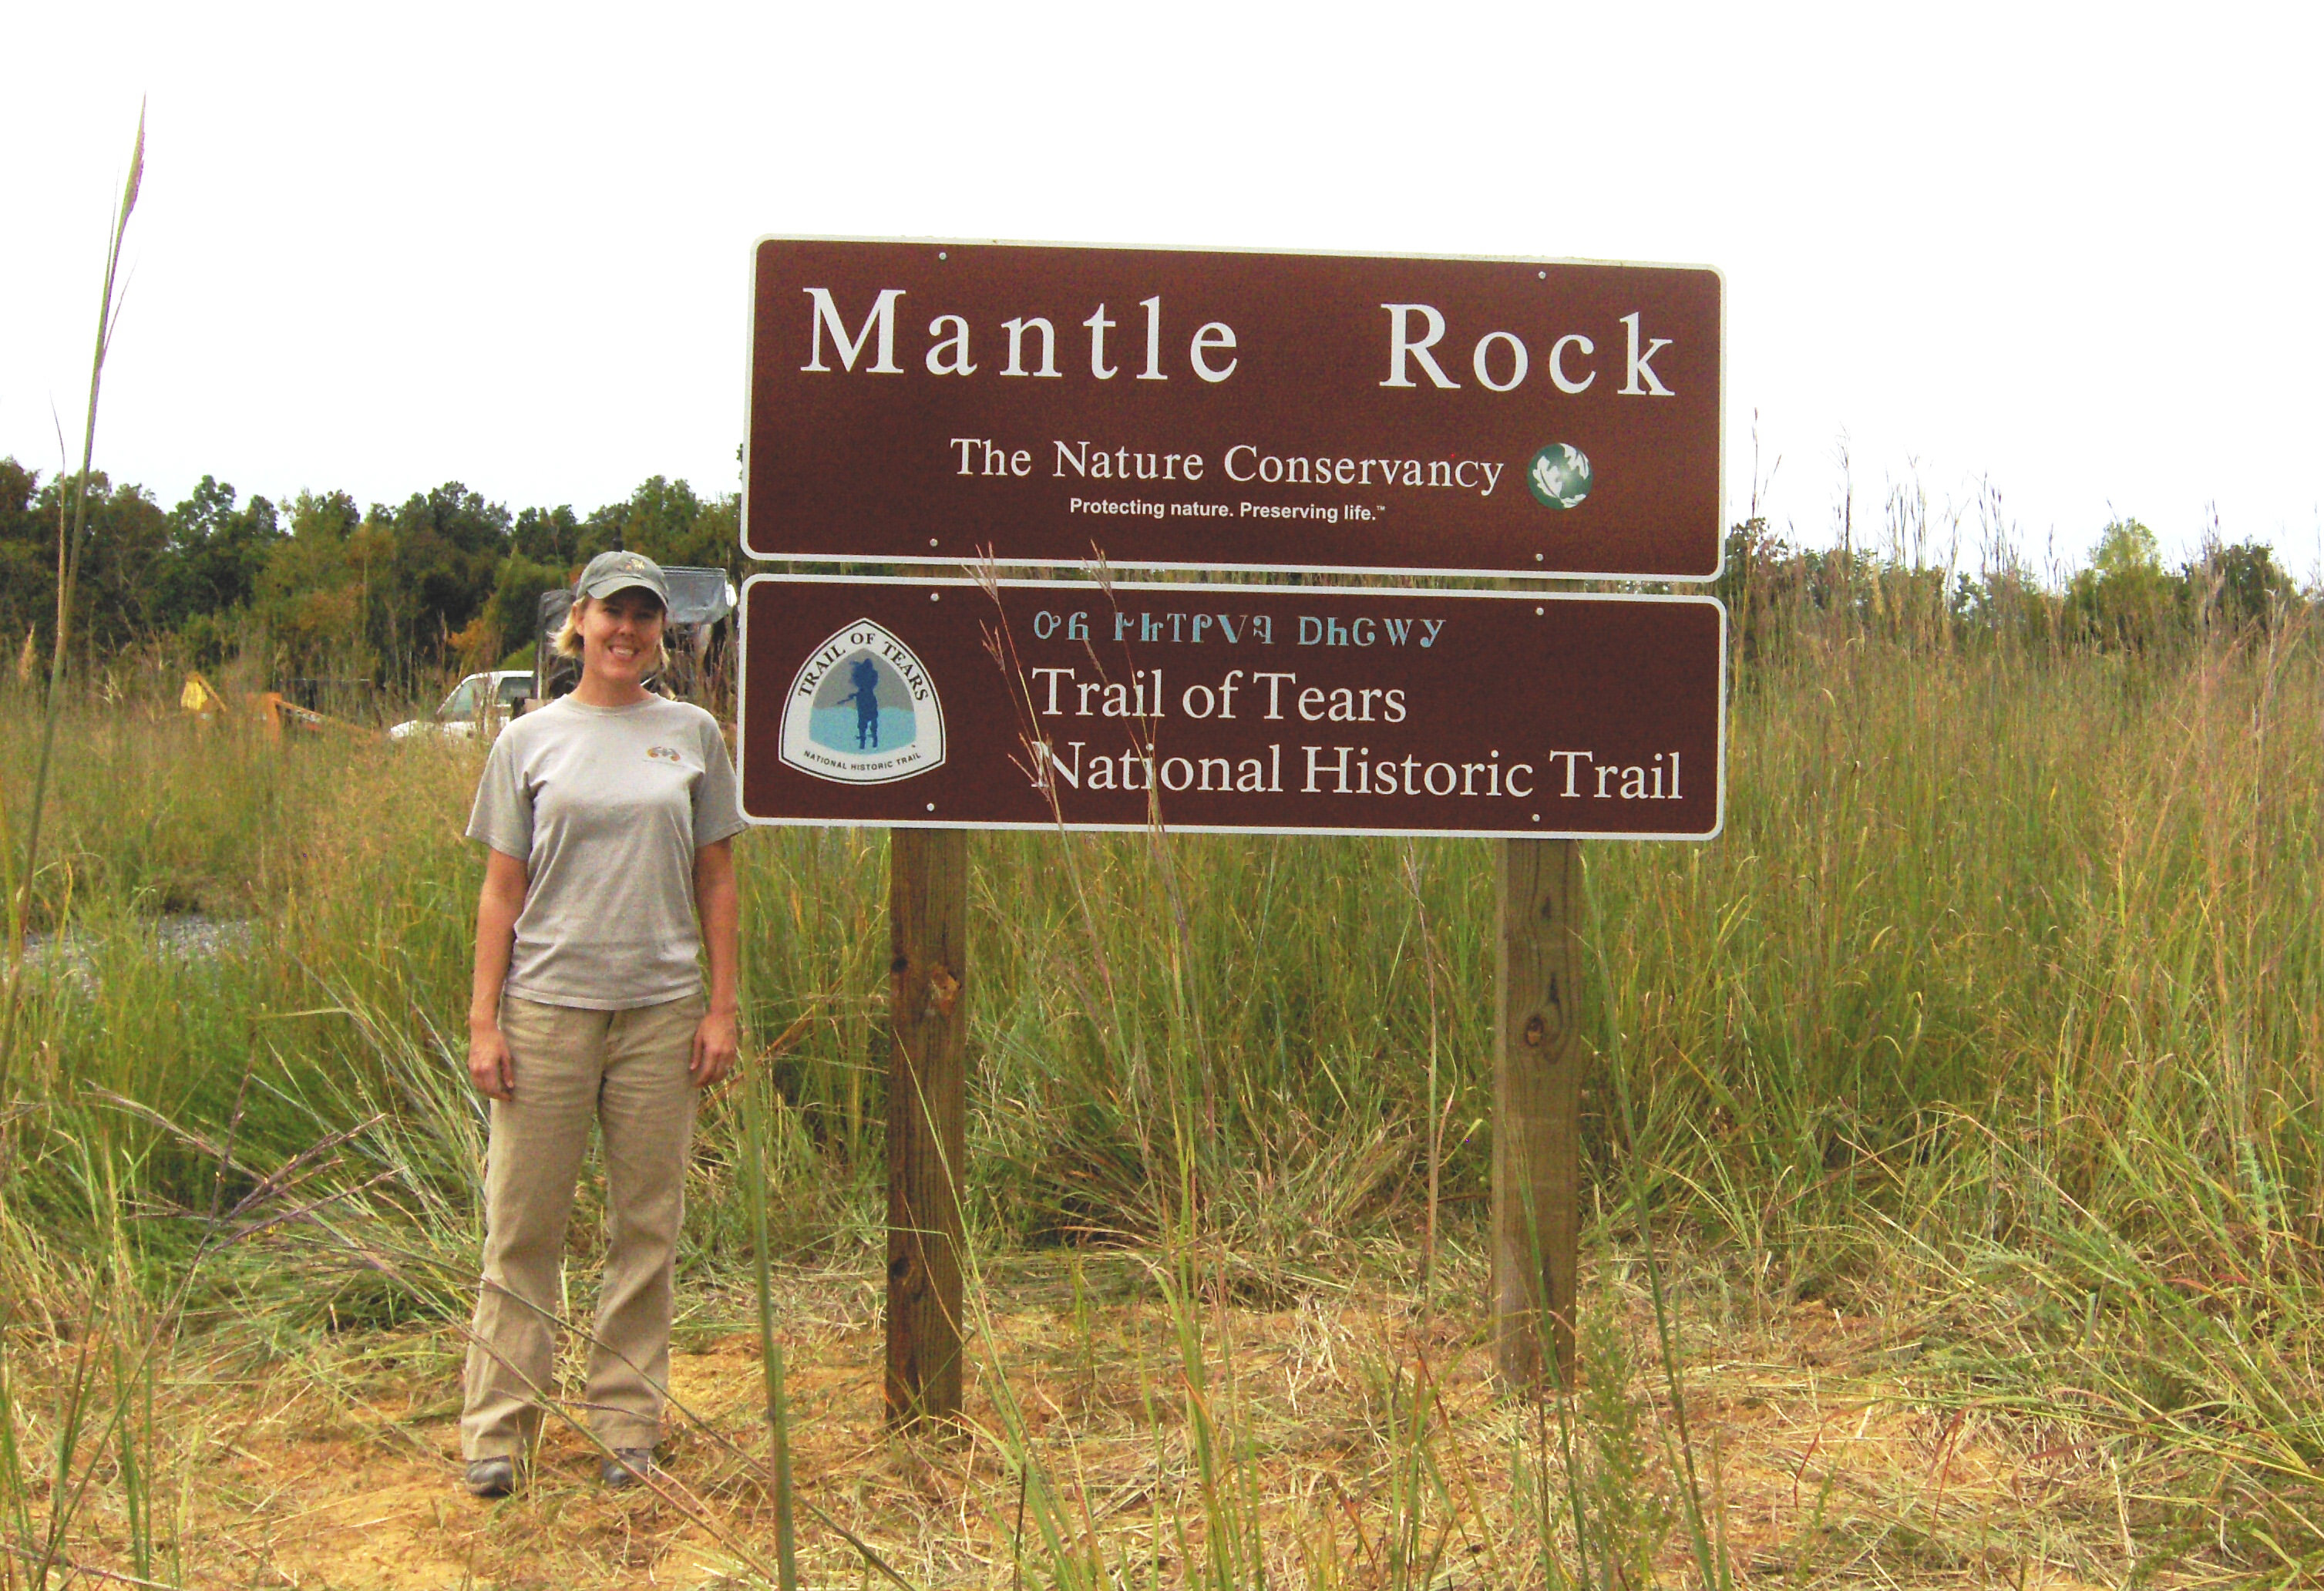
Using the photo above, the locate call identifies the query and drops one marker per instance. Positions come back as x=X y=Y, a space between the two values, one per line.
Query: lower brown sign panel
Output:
x=1231 y=708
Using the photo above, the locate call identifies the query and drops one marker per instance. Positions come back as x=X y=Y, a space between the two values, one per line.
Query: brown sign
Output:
x=1235 y=708
x=928 y=402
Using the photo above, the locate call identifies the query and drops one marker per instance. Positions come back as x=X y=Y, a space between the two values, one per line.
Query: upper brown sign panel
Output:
x=938 y=402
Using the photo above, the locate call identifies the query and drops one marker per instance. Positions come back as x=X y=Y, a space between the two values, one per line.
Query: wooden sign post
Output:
x=927 y=1120
x=1537 y=1051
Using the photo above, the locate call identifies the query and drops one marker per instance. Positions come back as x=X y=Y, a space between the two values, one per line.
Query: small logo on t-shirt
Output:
x=664 y=754
x=863 y=710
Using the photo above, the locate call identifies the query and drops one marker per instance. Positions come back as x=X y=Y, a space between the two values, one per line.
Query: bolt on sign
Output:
x=1235 y=708
x=931 y=402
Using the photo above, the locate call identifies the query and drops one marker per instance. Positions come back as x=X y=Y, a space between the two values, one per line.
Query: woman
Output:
x=609 y=815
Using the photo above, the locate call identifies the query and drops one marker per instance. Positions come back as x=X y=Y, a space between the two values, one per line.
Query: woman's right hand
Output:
x=491 y=1067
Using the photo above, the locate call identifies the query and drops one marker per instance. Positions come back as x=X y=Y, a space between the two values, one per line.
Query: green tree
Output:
x=505 y=621
x=669 y=524
x=28 y=560
x=2127 y=549
x=549 y=536
x=2125 y=598
x=445 y=549
x=213 y=558
x=312 y=592
x=2246 y=588
x=127 y=538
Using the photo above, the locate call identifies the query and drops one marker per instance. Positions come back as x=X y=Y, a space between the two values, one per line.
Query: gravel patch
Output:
x=186 y=936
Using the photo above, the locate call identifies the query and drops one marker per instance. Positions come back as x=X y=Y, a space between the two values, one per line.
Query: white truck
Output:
x=477 y=708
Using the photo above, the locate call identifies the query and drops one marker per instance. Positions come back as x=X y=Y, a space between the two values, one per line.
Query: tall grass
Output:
x=1998 y=1006
x=72 y=538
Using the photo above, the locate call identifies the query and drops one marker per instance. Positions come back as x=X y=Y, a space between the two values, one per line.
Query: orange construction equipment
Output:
x=202 y=697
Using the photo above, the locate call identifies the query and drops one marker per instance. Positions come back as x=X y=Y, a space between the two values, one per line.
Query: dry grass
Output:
x=1841 y=1452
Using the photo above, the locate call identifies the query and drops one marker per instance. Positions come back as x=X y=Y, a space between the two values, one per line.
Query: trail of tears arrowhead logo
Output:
x=862 y=710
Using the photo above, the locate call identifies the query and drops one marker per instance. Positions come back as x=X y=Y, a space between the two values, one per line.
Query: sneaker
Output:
x=492 y=1477
x=627 y=1467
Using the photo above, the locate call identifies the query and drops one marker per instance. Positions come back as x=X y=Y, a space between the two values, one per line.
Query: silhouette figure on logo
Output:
x=866 y=698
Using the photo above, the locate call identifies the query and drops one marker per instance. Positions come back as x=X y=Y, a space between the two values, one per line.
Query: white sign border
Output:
x=942 y=584
x=954 y=560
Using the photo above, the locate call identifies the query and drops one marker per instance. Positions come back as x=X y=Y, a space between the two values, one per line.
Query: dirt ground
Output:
x=1822 y=1455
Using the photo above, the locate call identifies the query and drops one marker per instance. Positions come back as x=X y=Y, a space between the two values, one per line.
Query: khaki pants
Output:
x=627 y=1071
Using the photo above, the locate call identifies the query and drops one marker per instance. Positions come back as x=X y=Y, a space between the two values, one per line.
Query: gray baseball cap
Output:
x=609 y=572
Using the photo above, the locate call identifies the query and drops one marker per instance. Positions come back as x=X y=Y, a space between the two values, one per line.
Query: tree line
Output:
x=394 y=593
x=398 y=593
x=2126 y=598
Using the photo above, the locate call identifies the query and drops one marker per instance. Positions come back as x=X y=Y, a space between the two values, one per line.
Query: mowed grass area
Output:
x=1973 y=1117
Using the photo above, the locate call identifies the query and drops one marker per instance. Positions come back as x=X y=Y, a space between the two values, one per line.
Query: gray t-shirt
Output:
x=605 y=806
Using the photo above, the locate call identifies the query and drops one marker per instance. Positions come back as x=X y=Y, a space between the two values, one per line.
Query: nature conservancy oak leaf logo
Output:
x=862 y=710
x=1559 y=476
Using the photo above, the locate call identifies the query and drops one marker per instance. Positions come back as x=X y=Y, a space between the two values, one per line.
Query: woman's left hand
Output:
x=715 y=1043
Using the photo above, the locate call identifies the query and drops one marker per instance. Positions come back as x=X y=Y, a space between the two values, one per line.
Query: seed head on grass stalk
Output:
x=1705 y=1537
x=770 y=1354
x=1001 y=644
x=69 y=551
x=1413 y=881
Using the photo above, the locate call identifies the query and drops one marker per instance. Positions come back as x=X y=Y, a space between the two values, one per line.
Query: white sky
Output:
x=2068 y=250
